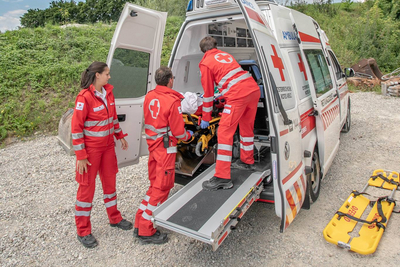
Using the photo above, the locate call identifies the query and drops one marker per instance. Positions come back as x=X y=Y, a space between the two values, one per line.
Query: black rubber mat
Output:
x=197 y=211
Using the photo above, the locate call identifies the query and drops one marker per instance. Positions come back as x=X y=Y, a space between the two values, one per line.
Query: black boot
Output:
x=238 y=164
x=157 y=238
x=136 y=232
x=88 y=240
x=123 y=224
x=216 y=183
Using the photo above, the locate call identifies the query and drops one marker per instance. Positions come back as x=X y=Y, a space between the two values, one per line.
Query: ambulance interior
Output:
x=233 y=37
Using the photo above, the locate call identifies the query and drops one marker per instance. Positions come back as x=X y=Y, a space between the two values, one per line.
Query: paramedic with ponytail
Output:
x=241 y=94
x=164 y=125
x=94 y=126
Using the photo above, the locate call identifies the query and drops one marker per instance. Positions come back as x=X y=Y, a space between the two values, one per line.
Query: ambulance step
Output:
x=350 y=213
x=209 y=216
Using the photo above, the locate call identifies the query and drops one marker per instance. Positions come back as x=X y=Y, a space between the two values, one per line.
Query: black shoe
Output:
x=136 y=232
x=88 y=240
x=157 y=238
x=123 y=224
x=238 y=164
x=216 y=183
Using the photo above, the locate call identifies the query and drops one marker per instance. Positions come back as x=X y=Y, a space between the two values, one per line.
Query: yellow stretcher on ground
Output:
x=350 y=214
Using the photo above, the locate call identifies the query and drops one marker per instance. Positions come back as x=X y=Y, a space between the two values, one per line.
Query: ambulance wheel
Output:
x=314 y=178
x=198 y=149
x=346 y=126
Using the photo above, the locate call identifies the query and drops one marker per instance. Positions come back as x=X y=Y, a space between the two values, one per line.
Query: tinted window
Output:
x=129 y=73
x=319 y=70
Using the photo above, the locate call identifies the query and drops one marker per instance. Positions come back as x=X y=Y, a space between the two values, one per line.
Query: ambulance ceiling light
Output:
x=215 y=2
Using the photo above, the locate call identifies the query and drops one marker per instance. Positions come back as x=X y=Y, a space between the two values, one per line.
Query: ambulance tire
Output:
x=346 y=126
x=314 y=178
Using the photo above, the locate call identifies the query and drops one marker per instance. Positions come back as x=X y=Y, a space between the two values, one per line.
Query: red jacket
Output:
x=162 y=113
x=93 y=124
x=232 y=81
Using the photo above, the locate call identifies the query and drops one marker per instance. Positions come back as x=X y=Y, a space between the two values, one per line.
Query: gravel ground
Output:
x=38 y=192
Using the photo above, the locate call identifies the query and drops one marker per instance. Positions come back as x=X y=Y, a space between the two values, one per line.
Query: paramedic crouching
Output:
x=164 y=125
x=241 y=93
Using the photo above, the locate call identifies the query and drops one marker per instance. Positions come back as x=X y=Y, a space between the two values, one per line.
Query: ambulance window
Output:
x=319 y=70
x=336 y=66
x=129 y=73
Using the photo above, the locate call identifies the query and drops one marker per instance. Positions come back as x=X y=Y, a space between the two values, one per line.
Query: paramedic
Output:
x=163 y=126
x=241 y=94
x=94 y=125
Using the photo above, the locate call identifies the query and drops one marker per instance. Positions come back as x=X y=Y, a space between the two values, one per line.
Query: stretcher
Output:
x=351 y=213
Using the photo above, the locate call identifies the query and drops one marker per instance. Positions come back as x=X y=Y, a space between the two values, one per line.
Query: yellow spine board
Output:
x=380 y=183
x=338 y=229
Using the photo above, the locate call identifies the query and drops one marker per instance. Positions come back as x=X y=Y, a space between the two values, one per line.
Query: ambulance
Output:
x=303 y=108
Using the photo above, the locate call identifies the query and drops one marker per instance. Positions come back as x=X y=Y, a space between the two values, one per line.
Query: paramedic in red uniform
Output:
x=241 y=93
x=164 y=125
x=94 y=125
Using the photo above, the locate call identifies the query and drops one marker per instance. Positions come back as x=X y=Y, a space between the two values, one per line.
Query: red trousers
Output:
x=161 y=168
x=104 y=162
x=236 y=112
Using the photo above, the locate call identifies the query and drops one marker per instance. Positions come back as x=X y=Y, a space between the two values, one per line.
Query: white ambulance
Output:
x=304 y=105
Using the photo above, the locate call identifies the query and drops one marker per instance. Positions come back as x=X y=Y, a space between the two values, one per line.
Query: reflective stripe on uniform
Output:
x=228 y=75
x=208 y=99
x=83 y=204
x=109 y=195
x=146 y=216
x=82 y=213
x=117 y=130
x=98 y=134
x=111 y=203
x=115 y=121
x=146 y=198
x=207 y=109
x=247 y=139
x=246 y=148
x=142 y=207
x=235 y=81
x=152 y=128
x=224 y=158
x=77 y=135
x=224 y=147
x=151 y=207
x=79 y=147
x=172 y=149
x=98 y=123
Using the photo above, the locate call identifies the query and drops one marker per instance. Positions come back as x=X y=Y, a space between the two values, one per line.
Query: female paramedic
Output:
x=94 y=125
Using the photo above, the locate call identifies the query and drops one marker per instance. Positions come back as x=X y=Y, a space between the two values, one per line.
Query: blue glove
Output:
x=204 y=124
x=191 y=133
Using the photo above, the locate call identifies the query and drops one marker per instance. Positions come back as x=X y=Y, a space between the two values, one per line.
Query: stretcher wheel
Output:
x=198 y=149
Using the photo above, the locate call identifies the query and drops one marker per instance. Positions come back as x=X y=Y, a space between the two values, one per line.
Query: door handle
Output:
x=121 y=117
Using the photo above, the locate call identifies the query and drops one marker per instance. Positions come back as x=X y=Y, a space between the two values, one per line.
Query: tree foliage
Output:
x=63 y=12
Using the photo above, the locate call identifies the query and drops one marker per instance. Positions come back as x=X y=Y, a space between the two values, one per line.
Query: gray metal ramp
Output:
x=209 y=216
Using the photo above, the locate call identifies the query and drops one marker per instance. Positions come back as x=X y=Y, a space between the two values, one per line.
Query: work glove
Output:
x=204 y=124
x=190 y=133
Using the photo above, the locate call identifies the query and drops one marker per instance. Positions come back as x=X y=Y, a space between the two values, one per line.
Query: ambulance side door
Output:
x=285 y=131
x=323 y=91
x=134 y=56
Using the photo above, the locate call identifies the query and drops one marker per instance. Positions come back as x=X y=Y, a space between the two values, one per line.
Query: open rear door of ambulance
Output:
x=285 y=133
x=134 y=56
x=323 y=92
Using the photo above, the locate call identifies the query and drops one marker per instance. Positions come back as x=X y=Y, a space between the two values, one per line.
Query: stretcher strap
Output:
x=379 y=224
x=390 y=181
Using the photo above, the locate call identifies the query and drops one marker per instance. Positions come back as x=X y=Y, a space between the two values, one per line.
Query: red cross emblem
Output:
x=301 y=67
x=278 y=63
x=223 y=58
x=154 y=108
